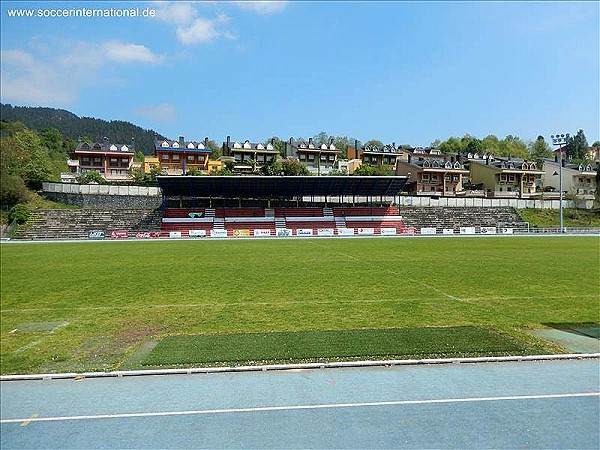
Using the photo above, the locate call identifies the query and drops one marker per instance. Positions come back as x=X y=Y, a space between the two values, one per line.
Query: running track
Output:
x=549 y=404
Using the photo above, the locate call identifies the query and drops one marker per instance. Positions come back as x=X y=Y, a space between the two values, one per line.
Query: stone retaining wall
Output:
x=103 y=196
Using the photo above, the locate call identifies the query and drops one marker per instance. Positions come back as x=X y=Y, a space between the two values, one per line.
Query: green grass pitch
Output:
x=115 y=296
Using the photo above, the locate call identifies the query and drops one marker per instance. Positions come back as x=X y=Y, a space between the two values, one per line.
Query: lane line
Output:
x=300 y=407
x=284 y=303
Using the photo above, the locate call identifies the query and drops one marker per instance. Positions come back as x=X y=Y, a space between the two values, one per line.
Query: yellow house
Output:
x=150 y=162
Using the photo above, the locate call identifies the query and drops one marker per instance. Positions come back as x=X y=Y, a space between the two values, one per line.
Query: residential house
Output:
x=180 y=157
x=249 y=156
x=505 y=177
x=111 y=161
x=319 y=159
x=432 y=176
x=578 y=180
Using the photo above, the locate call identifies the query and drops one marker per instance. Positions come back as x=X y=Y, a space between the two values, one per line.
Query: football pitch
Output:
x=105 y=305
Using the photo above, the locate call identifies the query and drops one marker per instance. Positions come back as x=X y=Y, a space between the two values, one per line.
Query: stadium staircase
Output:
x=77 y=223
x=457 y=217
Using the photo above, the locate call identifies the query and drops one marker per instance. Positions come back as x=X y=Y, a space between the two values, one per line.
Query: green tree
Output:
x=374 y=142
x=273 y=167
x=37 y=169
x=215 y=151
x=451 y=145
x=291 y=167
x=539 y=150
x=136 y=174
x=91 y=177
x=277 y=144
x=596 y=144
x=577 y=147
x=139 y=156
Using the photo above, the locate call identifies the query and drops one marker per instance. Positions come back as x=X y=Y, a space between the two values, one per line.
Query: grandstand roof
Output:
x=278 y=186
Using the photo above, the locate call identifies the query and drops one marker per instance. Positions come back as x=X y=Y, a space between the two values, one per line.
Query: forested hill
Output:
x=73 y=127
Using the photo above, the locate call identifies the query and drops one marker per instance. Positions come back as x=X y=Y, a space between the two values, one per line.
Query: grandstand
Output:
x=251 y=206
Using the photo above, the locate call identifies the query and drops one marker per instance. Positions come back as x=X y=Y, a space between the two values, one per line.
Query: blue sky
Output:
x=404 y=72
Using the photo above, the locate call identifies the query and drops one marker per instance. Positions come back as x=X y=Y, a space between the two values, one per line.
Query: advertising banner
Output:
x=304 y=232
x=325 y=232
x=488 y=230
x=218 y=233
x=388 y=232
x=195 y=215
x=506 y=230
x=467 y=230
x=262 y=232
x=283 y=232
x=408 y=230
x=197 y=233
x=147 y=235
x=428 y=230
x=174 y=234
x=448 y=231
x=119 y=234
x=96 y=234
x=366 y=231
x=241 y=233
x=345 y=231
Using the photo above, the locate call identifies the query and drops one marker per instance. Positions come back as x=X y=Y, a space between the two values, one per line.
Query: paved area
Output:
x=550 y=404
x=578 y=340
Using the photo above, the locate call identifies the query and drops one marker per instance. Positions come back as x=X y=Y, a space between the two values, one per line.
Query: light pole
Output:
x=560 y=140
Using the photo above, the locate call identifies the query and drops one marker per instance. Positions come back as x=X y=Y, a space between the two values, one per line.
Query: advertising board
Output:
x=408 y=230
x=325 y=232
x=345 y=231
x=365 y=231
x=488 y=230
x=174 y=234
x=241 y=233
x=467 y=230
x=119 y=234
x=262 y=232
x=506 y=231
x=428 y=230
x=448 y=231
x=147 y=235
x=304 y=232
x=197 y=233
x=218 y=233
x=388 y=231
x=96 y=234
x=283 y=232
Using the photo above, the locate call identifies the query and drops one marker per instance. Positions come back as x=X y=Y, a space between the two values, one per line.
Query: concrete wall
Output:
x=489 y=202
x=103 y=196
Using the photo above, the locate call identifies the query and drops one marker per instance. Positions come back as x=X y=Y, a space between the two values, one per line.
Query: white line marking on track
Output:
x=299 y=407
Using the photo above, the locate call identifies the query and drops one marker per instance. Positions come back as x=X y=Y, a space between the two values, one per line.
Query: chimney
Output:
x=132 y=144
x=309 y=141
x=106 y=143
x=206 y=142
x=331 y=140
x=355 y=148
x=291 y=141
x=409 y=158
x=394 y=145
x=181 y=141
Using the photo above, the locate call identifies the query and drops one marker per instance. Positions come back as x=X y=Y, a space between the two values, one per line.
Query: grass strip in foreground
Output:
x=256 y=348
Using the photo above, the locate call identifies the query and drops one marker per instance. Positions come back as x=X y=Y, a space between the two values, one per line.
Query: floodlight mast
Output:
x=560 y=140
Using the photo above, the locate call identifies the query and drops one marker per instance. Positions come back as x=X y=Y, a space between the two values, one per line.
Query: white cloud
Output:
x=175 y=13
x=38 y=77
x=129 y=53
x=203 y=30
x=163 y=113
x=265 y=7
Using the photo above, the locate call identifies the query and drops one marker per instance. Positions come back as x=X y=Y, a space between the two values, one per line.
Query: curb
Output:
x=304 y=366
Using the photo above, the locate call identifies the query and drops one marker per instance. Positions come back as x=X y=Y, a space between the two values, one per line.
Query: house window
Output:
x=176 y=157
x=164 y=157
x=323 y=158
x=511 y=178
x=85 y=160
x=191 y=158
x=434 y=177
x=502 y=178
x=302 y=157
x=237 y=157
x=97 y=160
x=311 y=157
x=200 y=158
x=425 y=177
x=113 y=162
x=124 y=161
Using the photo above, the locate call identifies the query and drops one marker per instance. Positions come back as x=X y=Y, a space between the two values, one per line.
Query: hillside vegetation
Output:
x=73 y=127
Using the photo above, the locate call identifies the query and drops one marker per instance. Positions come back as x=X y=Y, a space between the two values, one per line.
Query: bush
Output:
x=12 y=190
x=20 y=213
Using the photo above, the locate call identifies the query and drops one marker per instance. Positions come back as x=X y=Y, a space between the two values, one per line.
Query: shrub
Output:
x=12 y=189
x=20 y=213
